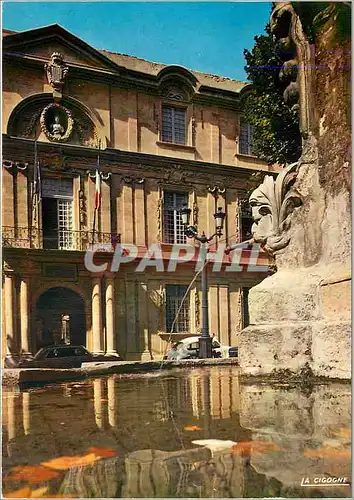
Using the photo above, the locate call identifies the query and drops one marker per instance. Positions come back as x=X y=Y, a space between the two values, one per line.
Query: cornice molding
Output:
x=130 y=163
x=130 y=79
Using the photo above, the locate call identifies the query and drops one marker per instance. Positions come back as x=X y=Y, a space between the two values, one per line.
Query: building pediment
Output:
x=39 y=44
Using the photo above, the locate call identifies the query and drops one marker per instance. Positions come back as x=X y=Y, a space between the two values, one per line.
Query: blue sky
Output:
x=207 y=37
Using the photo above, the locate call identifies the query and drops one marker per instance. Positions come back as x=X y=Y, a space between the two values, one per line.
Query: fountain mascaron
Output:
x=300 y=316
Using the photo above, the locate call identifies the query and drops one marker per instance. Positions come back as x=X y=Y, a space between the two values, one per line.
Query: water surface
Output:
x=134 y=436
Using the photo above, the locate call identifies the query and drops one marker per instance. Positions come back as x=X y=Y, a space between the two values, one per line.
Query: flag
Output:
x=98 y=183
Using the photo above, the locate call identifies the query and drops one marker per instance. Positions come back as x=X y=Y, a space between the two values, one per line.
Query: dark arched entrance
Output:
x=60 y=315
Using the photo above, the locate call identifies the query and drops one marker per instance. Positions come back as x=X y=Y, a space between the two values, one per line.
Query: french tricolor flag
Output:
x=98 y=184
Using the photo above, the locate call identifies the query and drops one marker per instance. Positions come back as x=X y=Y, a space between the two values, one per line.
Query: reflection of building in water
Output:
x=184 y=473
x=290 y=421
x=112 y=402
x=223 y=393
x=15 y=416
x=98 y=388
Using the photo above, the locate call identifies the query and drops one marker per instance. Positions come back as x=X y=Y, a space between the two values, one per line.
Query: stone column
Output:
x=143 y=329
x=110 y=319
x=97 y=344
x=24 y=312
x=9 y=314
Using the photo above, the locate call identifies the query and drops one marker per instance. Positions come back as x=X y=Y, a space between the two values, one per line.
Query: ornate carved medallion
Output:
x=56 y=122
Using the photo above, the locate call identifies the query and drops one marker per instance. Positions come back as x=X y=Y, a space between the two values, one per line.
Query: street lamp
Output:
x=205 y=347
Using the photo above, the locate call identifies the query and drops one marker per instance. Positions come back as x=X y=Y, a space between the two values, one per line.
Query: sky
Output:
x=204 y=36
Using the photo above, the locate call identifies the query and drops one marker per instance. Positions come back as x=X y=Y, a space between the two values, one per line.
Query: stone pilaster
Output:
x=144 y=322
x=110 y=318
x=24 y=312
x=9 y=313
x=97 y=333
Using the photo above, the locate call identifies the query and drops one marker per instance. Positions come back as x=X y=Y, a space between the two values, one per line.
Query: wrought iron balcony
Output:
x=24 y=237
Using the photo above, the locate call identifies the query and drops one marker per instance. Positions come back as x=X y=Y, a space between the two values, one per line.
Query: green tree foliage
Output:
x=276 y=134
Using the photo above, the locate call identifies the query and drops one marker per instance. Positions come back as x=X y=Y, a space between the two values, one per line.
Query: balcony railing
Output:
x=24 y=237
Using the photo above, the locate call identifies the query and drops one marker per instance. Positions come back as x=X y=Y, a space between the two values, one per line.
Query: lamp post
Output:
x=205 y=347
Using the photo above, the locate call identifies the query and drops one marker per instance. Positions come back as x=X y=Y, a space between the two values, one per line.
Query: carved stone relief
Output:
x=59 y=123
x=175 y=92
x=217 y=191
x=195 y=209
x=176 y=175
x=14 y=166
x=296 y=71
x=56 y=73
x=157 y=297
x=82 y=203
x=133 y=179
x=159 y=213
x=56 y=122
x=272 y=204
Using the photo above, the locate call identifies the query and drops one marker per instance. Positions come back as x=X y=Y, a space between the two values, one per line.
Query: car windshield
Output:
x=61 y=352
x=176 y=345
x=40 y=354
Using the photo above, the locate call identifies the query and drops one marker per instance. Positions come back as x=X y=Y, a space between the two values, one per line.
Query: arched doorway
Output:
x=60 y=318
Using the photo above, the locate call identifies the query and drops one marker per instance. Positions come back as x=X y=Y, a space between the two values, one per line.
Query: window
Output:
x=174 y=296
x=172 y=221
x=173 y=125
x=54 y=353
x=80 y=351
x=57 y=214
x=246 y=134
x=246 y=221
x=245 y=310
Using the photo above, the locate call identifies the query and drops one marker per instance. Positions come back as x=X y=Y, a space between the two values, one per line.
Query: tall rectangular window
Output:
x=246 y=137
x=246 y=220
x=65 y=224
x=173 y=125
x=173 y=229
x=57 y=214
x=174 y=297
x=245 y=310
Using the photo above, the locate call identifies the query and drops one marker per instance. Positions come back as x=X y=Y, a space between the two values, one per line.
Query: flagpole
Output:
x=94 y=225
x=97 y=180
x=33 y=190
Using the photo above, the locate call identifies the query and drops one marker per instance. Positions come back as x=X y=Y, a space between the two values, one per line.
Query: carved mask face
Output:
x=262 y=216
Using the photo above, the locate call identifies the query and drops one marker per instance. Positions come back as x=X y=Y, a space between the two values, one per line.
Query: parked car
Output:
x=189 y=349
x=61 y=356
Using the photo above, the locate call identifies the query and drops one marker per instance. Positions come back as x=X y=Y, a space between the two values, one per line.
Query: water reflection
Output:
x=144 y=429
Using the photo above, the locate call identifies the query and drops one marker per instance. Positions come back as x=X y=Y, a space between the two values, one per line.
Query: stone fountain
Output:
x=300 y=317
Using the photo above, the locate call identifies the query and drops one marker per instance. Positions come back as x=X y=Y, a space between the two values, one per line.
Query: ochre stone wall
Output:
x=131 y=120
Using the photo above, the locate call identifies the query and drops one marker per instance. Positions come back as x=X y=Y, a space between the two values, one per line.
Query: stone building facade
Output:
x=164 y=136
